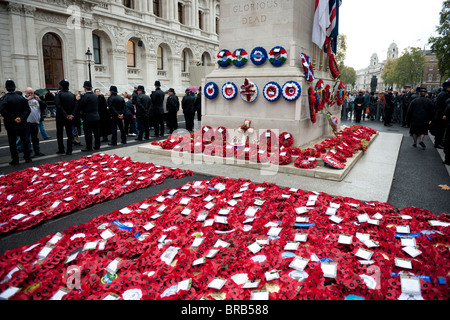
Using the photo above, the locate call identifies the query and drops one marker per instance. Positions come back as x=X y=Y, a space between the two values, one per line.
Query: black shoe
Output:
x=14 y=163
x=40 y=154
x=48 y=138
x=423 y=145
x=415 y=145
x=439 y=146
x=112 y=144
x=86 y=150
x=137 y=139
x=124 y=142
x=68 y=153
x=60 y=152
x=28 y=161
x=96 y=149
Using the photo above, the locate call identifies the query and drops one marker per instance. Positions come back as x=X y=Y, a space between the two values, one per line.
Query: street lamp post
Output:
x=89 y=59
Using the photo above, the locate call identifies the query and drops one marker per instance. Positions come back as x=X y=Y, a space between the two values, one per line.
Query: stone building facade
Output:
x=375 y=69
x=431 y=77
x=132 y=42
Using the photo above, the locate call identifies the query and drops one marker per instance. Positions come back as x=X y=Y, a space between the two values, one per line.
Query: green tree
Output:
x=389 y=76
x=440 y=45
x=348 y=75
x=409 y=67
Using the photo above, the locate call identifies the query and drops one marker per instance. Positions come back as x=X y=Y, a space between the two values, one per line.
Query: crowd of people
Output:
x=421 y=111
x=98 y=115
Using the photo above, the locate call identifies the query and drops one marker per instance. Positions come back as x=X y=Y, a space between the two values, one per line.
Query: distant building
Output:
x=132 y=42
x=431 y=76
x=375 y=69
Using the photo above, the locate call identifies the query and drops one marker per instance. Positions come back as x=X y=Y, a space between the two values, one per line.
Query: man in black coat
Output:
x=103 y=112
x=15 y=110
x=405 y=101
x=446 y=117
x=157 y=97
x=116 y=106
x=173 y=106
x=438 y=120
x=198 y=104
x=390 y=106
x=143 y=105
x=65 y=102
x=419 y=115
x=189 y=110
x=360 y=104
x=88 y=109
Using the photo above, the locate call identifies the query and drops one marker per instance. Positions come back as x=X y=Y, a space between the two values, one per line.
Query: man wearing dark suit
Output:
x=88 y=109
x=189 y=110
x=116 y=106
x=143 y=105
x=65 y=103
x=158 y=109
x=15 y=110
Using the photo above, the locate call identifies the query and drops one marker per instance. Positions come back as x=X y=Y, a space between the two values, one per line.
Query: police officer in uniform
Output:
x=65 y=102
x=389 y=109
x=116 y=106
x=143 y=105
x=157 y=97
x=88 y=109
x=15 y=110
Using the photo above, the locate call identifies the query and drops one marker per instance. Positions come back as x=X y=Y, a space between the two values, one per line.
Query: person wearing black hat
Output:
x=157 y=112
x=419 y=115
x=389 y=108
x=198 y=104
x=173 y=106
x=439 y=123
x=103 y=112
x=65 y=103
x=405 y=101
x=116 y=106
x=360 y=104
x=143 y=105
x=15 y=111
x=189 y=110
x=88 y=109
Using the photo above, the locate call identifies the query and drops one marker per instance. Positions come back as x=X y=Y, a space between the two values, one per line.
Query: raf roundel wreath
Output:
x=229 y=91
x=258 y=56
x=278 y=56
x=272 y=91
x=240 y=58
x=291 y=91
x=224 y=58
x=211 y=90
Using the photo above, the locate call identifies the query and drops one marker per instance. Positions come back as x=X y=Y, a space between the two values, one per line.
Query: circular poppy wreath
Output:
x=229 y=91
x=332 y=162
x=319 y=95
x=305 y=162
x=278 y=56
x=224 y=58
x=312 y=102
x=308 y=68
x=211 y=90
x=286 y=140
x=291 y=90
x=340 y=94
x=258 y=56
x=240 y=58
x=281 y=158
x=334 y=68
x=249 y=91
x=327 y=97
x=272 y=91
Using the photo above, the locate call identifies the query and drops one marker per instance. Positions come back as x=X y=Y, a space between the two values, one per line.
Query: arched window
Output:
x=97 y=49
x=128 y=4
x=200 y=20
x=131 y=54
x=160 y=58
x=53 y=60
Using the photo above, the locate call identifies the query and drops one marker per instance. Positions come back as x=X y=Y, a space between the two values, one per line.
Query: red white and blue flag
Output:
x=326 y=23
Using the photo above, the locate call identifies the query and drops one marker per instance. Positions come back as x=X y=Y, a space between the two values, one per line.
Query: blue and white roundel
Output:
x=258 y=56
x=229 y=91
x=291 y=91
x=272 y=91
x=211 y=90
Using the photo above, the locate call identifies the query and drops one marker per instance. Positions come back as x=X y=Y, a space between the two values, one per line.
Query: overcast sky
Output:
x=371 y=26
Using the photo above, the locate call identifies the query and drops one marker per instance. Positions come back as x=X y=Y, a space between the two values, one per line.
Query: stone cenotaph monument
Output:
x=279 y=27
